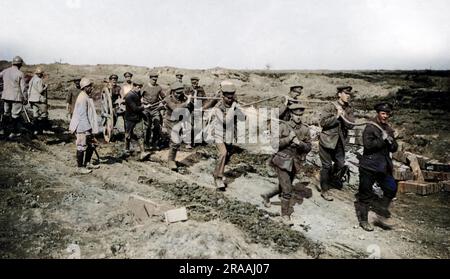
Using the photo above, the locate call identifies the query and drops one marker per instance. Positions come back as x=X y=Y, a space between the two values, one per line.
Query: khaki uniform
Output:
x=37 y=96
x=14 y=91
x=223 y=118
x=175 y=126
x=197 y=114
x=332 y=142
x=288 y=160
x=152 y=95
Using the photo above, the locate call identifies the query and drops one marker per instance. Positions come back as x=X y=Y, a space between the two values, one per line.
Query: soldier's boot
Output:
x=144 y=154
x=171 y=159
x=87 y=160
x=220 y=183
x=326 y=195
x=362 y=212
x=381 y=207
x=80 y=167
x=268 y=195
x=127 y=146
x=383 y=219
x=286 y=211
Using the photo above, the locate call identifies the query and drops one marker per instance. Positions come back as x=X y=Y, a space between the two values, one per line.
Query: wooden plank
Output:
x=176 y=215
x=445 y=185
x=436 y=175
x=402 y=174
x=415 y=166
x=421 y=188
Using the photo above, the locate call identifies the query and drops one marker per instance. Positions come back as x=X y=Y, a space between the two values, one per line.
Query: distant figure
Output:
x=128 y=85
x=292 y=98
x=133 y=116
x=376 y=166
x=14 y=95
x=195 y=90
x=84 y=124
x=110 y=96
x=37 y=96
x=152 y=96
x=224 y=122
x=332 y=140
x=71 y=97
x=178 y=106
x=179 y=77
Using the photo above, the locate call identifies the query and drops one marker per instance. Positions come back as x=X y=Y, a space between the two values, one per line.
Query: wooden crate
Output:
x=420 y=188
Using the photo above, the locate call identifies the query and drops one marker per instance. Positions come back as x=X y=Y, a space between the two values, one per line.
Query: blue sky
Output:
x=242 y=34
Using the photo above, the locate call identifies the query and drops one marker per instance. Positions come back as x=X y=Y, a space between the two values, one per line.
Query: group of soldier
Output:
x=138 y=101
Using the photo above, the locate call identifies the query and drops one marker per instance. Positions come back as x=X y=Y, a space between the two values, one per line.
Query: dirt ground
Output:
x=47 y=211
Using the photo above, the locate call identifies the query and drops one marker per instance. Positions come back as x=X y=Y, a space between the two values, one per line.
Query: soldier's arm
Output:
x=372 y=138
x=285 y=137
x=23 y=86
x=350 y=117
x=305 y=143
x=329 y=117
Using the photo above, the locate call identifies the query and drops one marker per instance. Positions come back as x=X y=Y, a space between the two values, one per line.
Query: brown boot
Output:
x=286 y=211
x=171 y=159
x=362 y=212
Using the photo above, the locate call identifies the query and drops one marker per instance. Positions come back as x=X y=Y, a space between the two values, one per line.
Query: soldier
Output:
x=376 y=166
x=71 y=97
x=177 y=115
x=292 y=98
x=195 y=90
x=293 y=145
x=110 y=106
x=179 y=77
x=152 y=96
x=37 y=96
x=224 y=124
x=335 y=119
x=128 y=85
x=133 y=116
x=14 y=94
x=84 y=124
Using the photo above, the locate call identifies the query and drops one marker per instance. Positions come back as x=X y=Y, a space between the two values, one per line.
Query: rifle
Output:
x=257 y=102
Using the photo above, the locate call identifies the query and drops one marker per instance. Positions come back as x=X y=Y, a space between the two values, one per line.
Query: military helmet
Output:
x=296 y=86
x=38 y=70
x=176 y=85
x=17 y=60
x=111 y=77
x=138 y=82
x=195 y=78
x=153 y=74
x=344 y=87
x=85 y=82
x=227 y=87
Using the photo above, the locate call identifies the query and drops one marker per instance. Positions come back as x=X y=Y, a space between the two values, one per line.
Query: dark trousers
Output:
x=367 y=178
x=333 y=160
x=152 y=128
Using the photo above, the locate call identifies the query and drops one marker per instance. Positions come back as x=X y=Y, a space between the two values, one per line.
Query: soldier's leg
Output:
x=156 y=130
x=89 y=152
x=364 y=197
x=81 y=149
x=325 y=155
x=285 y=180
x=339 y=165
x=147 y=128
x=129 y=134
x=7 y=121
x=16 y=112
x=175 y=143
